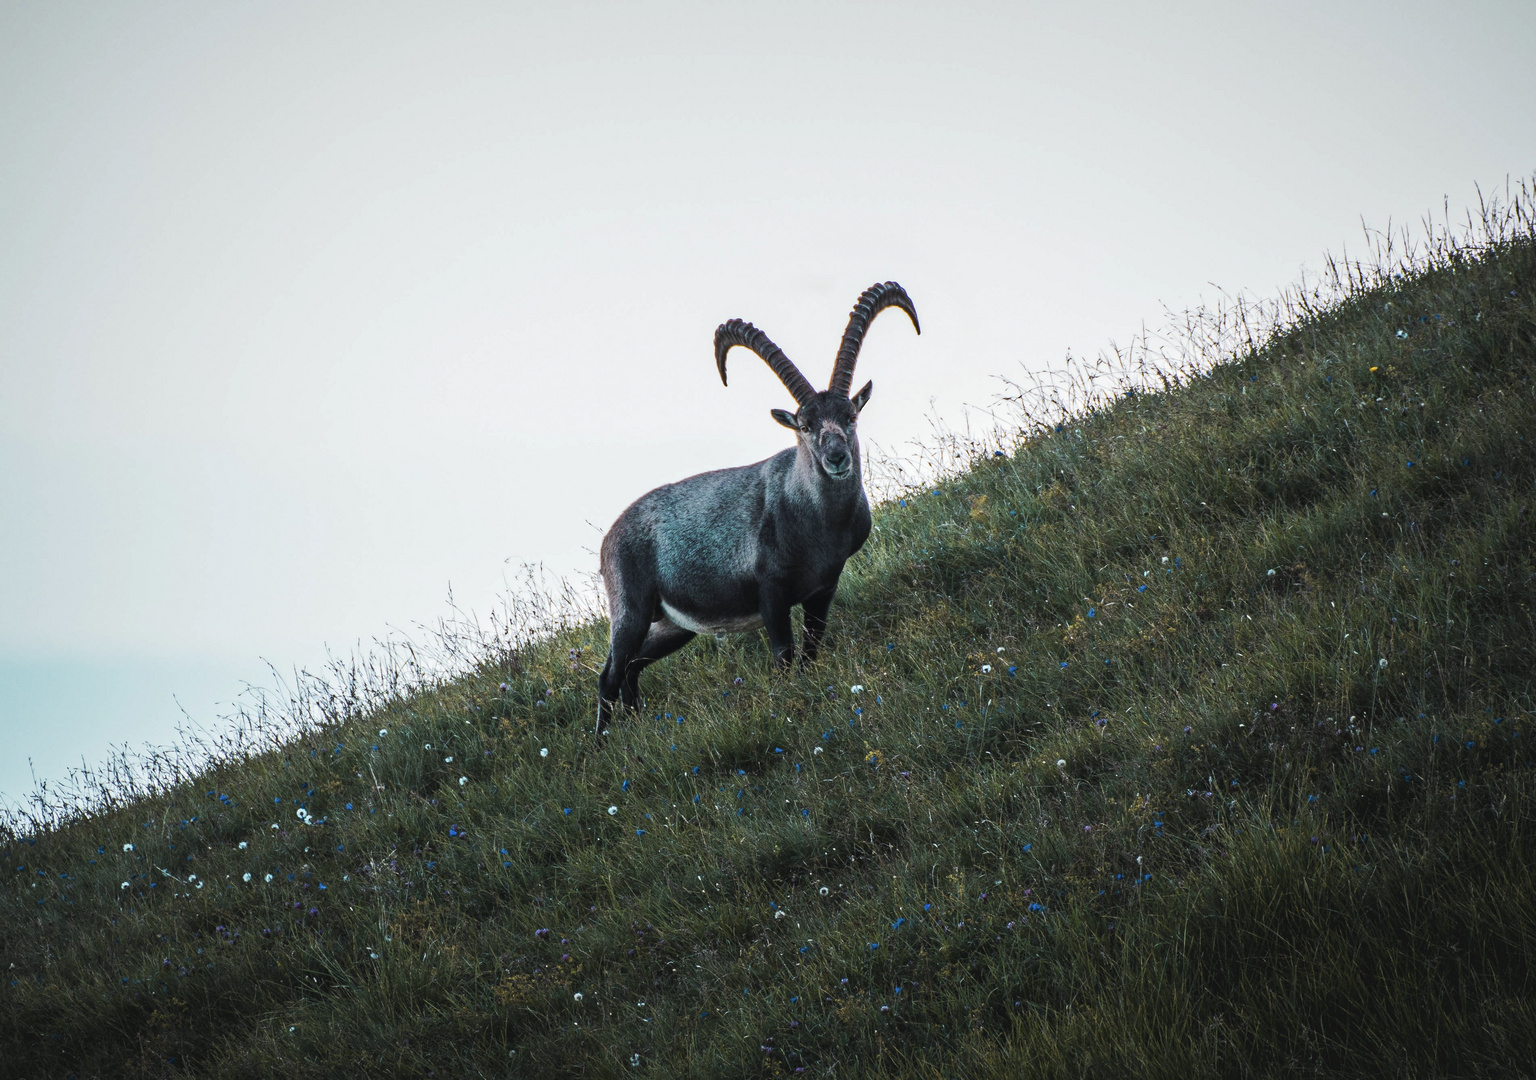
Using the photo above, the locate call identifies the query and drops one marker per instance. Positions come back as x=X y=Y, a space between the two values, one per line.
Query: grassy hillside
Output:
x=1190 y=738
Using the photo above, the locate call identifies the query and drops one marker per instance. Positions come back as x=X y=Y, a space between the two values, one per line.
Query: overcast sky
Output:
x=309 y=312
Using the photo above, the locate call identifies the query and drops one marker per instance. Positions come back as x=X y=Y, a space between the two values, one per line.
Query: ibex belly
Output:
x=717 y=624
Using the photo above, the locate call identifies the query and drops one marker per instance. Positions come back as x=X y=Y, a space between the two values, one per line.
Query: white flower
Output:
x=856 y=688
x=127 y=847
x=1402 y=333
x=383 y=731
x=999 y=650
x=242 y=845
x=191 y=877
x=824 y=890
x=1382 y=663
x=448 y=760
x=268 y=879
x=1270 y=574
x=1061 y=762
x=125 y=884
x=986 y=669
x=302 y=813
x=613 y=810
x=576 y=996
x=1165 y=558
x=780 y=913
x=247 y=876
x=463 y=780
x=543 y=751
x=199 y=884
x=373 y=956
x=816 y=751
x=274 y=824
x=426 y=746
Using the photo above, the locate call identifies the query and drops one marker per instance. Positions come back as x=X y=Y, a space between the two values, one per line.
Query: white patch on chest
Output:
x=728 y=625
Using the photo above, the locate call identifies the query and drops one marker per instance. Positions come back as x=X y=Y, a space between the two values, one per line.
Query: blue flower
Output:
x=897 y=924
x=1141 y=588
x=805 y=813
x=1063 y=663
x=639 y=832
x=873 y=945
x=1092 y=612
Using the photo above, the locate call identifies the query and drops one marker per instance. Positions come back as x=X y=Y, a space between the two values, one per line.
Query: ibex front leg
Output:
x=774 y=605
x=816 y=608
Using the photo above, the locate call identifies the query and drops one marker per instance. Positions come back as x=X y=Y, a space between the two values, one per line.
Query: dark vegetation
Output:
x=1193 y=740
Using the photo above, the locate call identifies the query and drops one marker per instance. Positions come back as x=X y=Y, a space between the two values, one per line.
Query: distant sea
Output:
x=56 y=710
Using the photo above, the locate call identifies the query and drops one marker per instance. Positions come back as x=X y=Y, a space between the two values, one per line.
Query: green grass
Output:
x=1193 y=741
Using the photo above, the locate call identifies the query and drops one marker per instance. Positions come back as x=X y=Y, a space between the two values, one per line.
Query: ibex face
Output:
x=827 y=428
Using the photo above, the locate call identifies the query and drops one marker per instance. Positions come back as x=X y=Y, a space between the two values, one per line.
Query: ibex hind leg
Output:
x=631 y=648
x=663 y=639
x=624 y=641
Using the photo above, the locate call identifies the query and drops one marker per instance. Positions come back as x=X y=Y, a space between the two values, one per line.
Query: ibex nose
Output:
x=838 y=460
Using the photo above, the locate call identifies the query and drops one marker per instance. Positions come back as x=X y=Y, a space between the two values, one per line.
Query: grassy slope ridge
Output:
x=1193 y=740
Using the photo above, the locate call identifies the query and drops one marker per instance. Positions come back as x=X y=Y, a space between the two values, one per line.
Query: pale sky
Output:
x=310 y=312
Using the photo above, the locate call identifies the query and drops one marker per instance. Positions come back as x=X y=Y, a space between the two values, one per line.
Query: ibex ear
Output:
x=861 y=399
x=785 y=418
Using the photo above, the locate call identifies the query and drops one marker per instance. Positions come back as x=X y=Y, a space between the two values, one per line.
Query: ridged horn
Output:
x=876 y=299
x=737 y=332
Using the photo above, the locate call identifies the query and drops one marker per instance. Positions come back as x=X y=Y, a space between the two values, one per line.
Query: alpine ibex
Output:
x=735 y=549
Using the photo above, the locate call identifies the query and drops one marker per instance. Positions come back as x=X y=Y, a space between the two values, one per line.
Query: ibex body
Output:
x=736 y=549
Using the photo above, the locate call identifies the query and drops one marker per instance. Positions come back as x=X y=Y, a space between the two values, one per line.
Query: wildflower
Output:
x=247 y=876
x=463 y=780
x=986 y=669
x=897 y=924
x=816 y=751
x=639 y=832
x=1382 y=663
x=448 y=760
x=125 y=885
x=823 y=890
x=242 y=845
x=612 y=810
x=1063 y=663
x=873 y=945
x=856 y=688
x=1061 y=763
x=268 y=879
x=383 y=731
x=576 y=996
x=1402 y=333
x=1270 y=574
x=543 y=751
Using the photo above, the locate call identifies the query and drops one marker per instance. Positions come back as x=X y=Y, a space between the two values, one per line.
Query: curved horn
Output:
x=876 y=299
x=737 y=332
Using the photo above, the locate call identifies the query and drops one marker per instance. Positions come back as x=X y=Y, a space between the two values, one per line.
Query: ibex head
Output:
x=825 y=422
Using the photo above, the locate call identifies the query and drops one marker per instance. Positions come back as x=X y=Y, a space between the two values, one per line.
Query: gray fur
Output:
x=735 y=549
